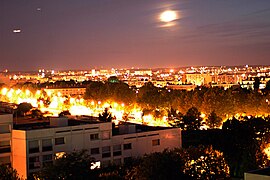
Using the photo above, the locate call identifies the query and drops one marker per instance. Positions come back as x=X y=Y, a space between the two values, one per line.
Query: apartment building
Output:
x=36 y=145
x=6 y=121
x=227 y=78
x=66 y=91
x=197 y=79
x=261 y=174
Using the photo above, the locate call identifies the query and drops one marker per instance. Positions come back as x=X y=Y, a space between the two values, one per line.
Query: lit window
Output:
x=155 y=142
x=95 y=165
x=59 y=155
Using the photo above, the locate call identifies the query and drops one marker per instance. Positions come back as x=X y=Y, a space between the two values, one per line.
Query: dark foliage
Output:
x=106 y=116
x=74 y=165
x=8 y=173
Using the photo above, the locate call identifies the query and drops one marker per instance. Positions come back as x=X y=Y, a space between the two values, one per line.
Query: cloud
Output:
x=240 y=29
x=262 y=11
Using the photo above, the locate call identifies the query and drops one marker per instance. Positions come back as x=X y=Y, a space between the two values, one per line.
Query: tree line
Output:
x=225 y=103
x=242 y=141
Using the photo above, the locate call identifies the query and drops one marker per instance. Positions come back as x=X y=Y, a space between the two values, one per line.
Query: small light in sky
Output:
x=38 y=9
x=17 y=30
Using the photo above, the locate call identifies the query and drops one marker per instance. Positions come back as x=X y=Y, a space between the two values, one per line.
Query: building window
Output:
x=59 y=141
x=34 y=162
x=94 y=150
x=106 y=135
x=5 y=146
x=117 y=162
x=47 y=160
x=106 y=151
x=127 y=146
x=105 y=163
x=94 y=137
x=117 y=150
x=4 y=129
x=155 y=142
x=46 y=145
x=33 y=146
x=5 y=160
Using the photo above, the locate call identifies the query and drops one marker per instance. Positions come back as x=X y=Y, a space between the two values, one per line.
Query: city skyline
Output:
x=123 y=34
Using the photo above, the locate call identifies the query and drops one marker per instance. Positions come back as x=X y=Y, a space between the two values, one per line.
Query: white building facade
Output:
x=34 y=148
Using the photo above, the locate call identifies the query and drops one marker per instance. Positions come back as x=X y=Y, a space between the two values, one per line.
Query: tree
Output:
x=206 y=163
x=113 y=79
x=23 y=108
x=213 y=120
x=74 y=165
x=256 y=83
x=64 y=113
x=191 y=163
x=36 y=113
x=8 y=173
x=267 y=86
x=192 y=120
x=149 y=96
x=106 y=116
x=97 y=91
x=160 y=166
x=120 y=93
x=241 y=144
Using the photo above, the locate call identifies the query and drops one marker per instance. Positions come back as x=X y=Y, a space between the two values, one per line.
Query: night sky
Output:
x=85 y=34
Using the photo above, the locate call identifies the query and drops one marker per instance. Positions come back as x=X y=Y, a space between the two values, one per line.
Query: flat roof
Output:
x=264 y=171
x=65 y=87
x=4 y=113
x=138 y=128
x=33 y=124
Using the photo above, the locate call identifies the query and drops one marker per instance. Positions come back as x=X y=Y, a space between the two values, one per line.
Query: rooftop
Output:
x=122 y=128
x=264 y=171
x=32 y=124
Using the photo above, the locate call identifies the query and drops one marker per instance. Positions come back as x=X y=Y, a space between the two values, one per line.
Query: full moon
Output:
x=168 y=16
